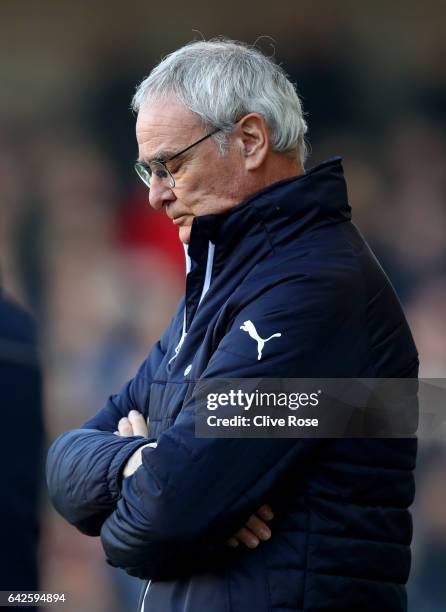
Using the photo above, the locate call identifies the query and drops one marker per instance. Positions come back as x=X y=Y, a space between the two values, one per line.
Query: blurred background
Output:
x=101 y=272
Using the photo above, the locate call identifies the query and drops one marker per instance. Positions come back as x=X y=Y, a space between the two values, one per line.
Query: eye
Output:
x=160 y=172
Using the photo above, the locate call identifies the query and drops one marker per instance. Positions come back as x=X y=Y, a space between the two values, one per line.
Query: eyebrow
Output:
x=162 y=156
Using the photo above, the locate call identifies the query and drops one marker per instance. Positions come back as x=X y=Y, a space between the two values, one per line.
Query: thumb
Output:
x=138 y=423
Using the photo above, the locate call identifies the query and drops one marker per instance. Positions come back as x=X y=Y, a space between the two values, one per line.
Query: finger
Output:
x=125 y=427
x=265 y=512
x=138 y=423
x=116 y=433
x=246 y=537
x=232 y=542
x=258 y=527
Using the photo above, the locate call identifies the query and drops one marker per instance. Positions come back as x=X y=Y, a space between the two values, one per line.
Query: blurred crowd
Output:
x=102 y=273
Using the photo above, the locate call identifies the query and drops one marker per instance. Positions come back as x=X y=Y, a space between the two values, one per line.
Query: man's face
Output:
x=205 y=182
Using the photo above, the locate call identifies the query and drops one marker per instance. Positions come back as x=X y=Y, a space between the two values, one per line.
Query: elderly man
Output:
x=279 y=284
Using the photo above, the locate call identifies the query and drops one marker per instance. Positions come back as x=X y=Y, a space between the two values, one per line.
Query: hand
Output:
x=135 y=460
x=133 y=425
x=255 y=529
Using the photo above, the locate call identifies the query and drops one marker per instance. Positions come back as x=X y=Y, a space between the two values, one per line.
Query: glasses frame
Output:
x=141 y=167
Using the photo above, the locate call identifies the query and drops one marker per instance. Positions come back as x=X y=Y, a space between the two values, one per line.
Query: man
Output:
x=270 y=251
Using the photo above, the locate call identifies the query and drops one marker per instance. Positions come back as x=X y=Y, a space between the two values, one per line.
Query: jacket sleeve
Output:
x=195 y=492
x=84 y=466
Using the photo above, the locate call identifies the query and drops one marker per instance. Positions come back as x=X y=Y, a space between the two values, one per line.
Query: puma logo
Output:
x=249 y=327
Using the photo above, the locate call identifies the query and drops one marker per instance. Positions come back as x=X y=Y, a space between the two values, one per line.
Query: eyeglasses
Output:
x=159 y=168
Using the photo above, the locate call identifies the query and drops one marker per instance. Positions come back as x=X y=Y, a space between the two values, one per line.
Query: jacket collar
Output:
x=224 y=248
x=280 y=211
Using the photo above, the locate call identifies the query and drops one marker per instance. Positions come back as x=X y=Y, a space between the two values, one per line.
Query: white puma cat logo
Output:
x=248 y=326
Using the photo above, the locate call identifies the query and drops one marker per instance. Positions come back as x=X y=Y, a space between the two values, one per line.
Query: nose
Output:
x=160 y=193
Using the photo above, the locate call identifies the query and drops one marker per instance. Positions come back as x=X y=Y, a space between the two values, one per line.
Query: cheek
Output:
x=186 y=188
x=193 y=191
x=208 y=187
x=218 y=179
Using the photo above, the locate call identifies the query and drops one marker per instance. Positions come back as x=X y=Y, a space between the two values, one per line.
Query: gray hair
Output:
x=221 y=80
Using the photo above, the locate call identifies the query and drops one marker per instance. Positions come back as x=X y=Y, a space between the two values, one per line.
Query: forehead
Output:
x=165 y=126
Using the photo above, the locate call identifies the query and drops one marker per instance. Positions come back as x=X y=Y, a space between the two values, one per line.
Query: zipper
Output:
x=143 y=601
x=206 y=285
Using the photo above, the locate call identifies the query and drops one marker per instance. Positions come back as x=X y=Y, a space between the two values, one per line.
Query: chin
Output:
x=184 y=234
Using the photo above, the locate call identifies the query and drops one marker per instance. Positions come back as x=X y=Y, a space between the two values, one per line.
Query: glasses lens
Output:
x=144 y=173
x=161 y=172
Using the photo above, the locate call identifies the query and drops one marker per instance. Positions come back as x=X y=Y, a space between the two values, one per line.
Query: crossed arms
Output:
x=189 y=496
x=251 y=534
x=176 y=513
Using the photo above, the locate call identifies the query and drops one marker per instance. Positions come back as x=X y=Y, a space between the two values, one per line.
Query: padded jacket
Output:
x=290 y=260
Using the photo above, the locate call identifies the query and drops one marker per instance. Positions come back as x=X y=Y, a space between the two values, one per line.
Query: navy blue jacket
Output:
x=290 y=260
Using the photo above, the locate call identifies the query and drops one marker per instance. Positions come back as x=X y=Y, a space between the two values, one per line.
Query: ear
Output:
x=254 y=141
